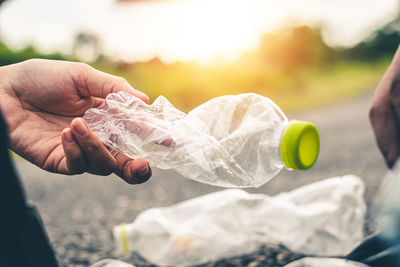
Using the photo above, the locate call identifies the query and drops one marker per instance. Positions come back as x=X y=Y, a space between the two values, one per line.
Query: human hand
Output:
x=385 y=112
x=42 y=102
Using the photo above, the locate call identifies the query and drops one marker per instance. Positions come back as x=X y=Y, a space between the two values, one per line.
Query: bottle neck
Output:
x=281 y=129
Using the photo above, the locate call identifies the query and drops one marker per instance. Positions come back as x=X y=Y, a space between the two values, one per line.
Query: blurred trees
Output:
x=382 y=43
x=289 y=49
x=87 y=46
x=294 y=49
x=293 y=66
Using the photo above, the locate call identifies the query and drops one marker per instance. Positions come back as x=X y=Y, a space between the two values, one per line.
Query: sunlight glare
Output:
x=186 y=30
x=210 y=29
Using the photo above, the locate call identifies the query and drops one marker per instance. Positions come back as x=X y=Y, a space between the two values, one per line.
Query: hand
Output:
x=42 y=102
x=385 y=112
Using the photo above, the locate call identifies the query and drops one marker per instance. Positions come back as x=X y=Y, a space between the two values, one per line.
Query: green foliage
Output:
x=8 y=56
x=382 y=43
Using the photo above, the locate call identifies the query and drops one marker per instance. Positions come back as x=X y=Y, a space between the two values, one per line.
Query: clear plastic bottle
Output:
x=230 y=141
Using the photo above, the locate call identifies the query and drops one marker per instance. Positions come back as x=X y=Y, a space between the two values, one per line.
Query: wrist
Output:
x=4 y=86
x=8 y=100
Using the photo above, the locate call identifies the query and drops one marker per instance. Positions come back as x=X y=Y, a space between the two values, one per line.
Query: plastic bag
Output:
x=229 y=141
x=324 y=262
x=111 y=263
x=382 y=248
x=386 y=209
x=323 y=218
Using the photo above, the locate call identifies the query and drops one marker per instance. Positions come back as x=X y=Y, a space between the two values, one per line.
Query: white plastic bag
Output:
x=324 y=262
x=111 y=263
x=323 y=218
x=386 y=209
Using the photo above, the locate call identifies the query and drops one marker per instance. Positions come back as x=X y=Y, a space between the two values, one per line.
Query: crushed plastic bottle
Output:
x=324 y=262
x=229 y=141
x=324 y=218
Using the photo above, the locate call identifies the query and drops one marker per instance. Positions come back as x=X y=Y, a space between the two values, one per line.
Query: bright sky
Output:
x=184 y=29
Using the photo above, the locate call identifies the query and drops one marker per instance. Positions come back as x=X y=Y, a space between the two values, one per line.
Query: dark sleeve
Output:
x=23 y=240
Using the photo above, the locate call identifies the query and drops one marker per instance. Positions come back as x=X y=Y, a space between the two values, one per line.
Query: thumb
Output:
x=92 y=82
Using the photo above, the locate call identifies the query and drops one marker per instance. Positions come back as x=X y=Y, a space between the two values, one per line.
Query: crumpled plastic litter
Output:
x=324 y=218
x=229 y=141
x=111 y=263
x=386 y=208
x=324 y=262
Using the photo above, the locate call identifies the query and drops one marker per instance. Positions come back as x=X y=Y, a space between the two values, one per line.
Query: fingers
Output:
x=386 y=133
x=92 y=82
x=98 y=159
x=85 y=152
x=133 y=171
x=384 y=120
x=75 y=160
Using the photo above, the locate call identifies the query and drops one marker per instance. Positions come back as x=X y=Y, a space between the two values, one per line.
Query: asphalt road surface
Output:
x=80 y=211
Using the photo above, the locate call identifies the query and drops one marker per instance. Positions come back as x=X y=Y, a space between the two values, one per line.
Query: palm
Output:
x=48 y=106
x=43 y=146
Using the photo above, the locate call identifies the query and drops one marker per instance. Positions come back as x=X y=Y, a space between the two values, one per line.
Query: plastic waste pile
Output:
x=323 y=219
x=111 y=263
x=386 y=207
x=304 y=262
x=230 y=141
x=324 y=262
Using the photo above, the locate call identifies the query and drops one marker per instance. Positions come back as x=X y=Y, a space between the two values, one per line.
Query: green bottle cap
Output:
x=300 y=145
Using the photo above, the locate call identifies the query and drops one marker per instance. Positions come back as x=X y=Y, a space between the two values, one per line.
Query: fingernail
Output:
x=80 y=126
x=144 y=171
x=68 y=136
x=143 y=95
